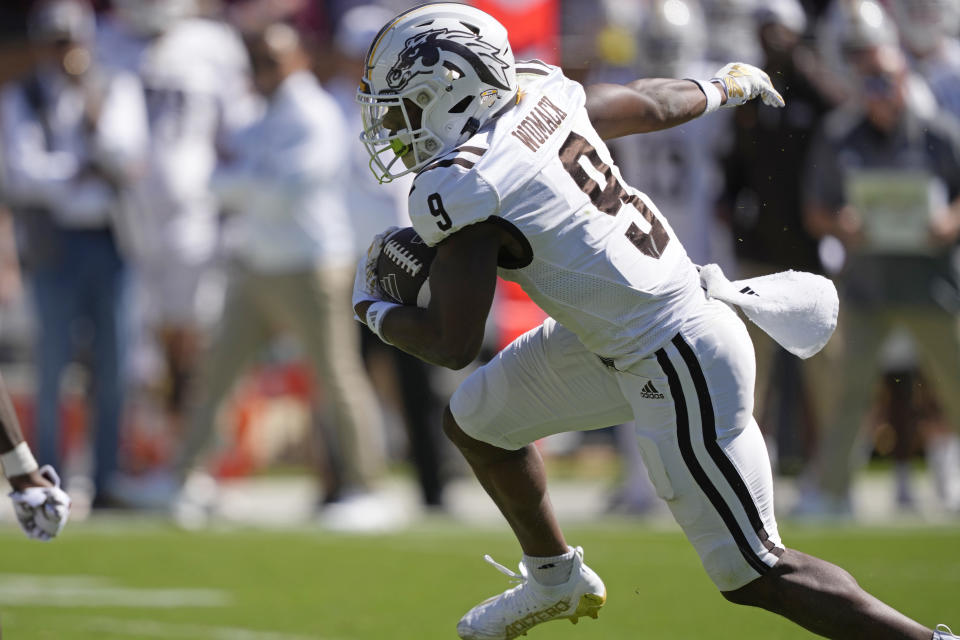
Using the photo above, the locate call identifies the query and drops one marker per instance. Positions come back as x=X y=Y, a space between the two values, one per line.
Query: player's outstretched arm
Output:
x=644 y=105
x=449 y=332
x=651 y=104
x=42 y=508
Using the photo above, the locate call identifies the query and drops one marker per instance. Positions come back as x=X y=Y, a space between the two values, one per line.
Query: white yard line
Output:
x=30 y=590
x=157 y=629
x=95 y=591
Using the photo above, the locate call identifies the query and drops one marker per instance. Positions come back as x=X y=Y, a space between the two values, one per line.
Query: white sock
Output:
x=551 y=570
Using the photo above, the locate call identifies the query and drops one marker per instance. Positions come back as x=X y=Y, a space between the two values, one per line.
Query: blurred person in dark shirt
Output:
x=883 y=179
x=761 y=200
x=376 y=206
x=762 y=183
x=927 y=30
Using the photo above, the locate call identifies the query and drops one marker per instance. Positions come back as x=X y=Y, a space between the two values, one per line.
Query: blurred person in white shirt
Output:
x=378 y=206
x=194 y=73
x=74 y=139
x=292 y=246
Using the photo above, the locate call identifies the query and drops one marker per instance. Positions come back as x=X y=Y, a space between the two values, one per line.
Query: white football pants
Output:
x=692 y=402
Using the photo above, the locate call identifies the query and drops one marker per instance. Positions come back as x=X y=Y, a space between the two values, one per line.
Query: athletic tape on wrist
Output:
x=18 y=461
x=713 y=95
x=376 y=312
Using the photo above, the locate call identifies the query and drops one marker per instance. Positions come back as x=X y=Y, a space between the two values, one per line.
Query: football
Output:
x=403 y=268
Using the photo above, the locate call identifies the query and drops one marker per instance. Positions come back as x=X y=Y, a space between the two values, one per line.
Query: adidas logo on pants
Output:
x=650 y=391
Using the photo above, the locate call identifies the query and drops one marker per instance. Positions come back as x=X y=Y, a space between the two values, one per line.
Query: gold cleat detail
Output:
x=589 y=605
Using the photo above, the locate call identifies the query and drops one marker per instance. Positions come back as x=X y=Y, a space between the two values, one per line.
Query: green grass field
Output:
x=127 y=580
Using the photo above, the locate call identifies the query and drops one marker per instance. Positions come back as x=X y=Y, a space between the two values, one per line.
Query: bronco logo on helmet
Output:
x=422 y=51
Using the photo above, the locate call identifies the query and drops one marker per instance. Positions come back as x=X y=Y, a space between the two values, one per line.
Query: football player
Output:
x=41 y=506
x=194 y=71
x=513 y=176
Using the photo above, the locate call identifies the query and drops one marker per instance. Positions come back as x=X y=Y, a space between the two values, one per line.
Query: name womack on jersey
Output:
x=537 y=126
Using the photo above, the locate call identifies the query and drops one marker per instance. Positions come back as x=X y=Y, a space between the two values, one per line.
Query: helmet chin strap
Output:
x=473 y=123
x=470 y=128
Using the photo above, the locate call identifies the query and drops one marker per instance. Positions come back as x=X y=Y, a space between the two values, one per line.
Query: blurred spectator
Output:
x=883 y=178
x=293 y=265
x=308 y=17
x=850 y=26
x=761 y=199
x=377 y=206
x=927 y=30
x=74 y=137
x=194 y=72
x=762 y=185
x=927 y=33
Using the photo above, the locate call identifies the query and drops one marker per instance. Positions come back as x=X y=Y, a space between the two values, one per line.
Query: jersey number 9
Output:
x=437 y=211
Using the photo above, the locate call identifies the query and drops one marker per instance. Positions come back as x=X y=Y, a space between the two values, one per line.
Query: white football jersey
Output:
x=599 y=256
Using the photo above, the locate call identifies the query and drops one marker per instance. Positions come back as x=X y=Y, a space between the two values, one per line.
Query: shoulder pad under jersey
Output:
x=449 y=194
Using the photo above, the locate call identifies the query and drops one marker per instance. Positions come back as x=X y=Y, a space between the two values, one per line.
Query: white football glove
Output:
x=744 y=82
x=42 y=511
x=365 y=287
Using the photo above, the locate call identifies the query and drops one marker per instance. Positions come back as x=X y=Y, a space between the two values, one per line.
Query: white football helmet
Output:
x=434 y=75
x=866 y=24
x=672 y=38
x=851 y=27
x=732 y=32
x=923 y=24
